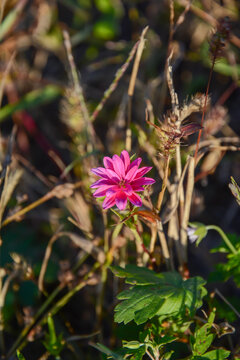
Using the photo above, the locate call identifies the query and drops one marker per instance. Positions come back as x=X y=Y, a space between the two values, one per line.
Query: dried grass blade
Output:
x=186 y=214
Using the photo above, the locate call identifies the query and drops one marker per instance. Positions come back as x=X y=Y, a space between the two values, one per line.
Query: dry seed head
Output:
x=215 y=120
x=220 y=37
x=71 y=113
x=169 y=136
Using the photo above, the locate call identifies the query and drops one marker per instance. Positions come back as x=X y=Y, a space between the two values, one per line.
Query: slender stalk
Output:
x=204 y=107
x=115 y=82
x=223 y=236
x=164 y=185
x=186 y=214
x=51 y=194
x=29 y=327
x=131 y=87
x=164 y=246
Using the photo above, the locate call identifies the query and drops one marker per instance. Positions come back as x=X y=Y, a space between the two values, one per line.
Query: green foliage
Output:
x=31 y=100
x=203 y=338
x=163 y=295
x=200 y=231
x=225 y=271
x=53 y=343
x=219 y=354
x=19 y=355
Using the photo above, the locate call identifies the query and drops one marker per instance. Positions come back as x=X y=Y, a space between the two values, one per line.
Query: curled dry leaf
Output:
x=80 y=211
x=87 y=246
x=148 y=215
x=63 y=191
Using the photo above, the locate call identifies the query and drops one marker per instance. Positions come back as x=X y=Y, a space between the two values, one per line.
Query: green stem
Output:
x=224 y=237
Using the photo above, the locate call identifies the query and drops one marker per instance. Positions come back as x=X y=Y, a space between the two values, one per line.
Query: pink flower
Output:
x=120 y=181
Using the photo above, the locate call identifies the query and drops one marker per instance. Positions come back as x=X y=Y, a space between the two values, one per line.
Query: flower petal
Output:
x=103 y=190
x=126 y=159
x=135 y=199
x=143 y=181
x=137 y=188
x=108 y=163
x=142 y=171
x=118 y=166
x=135 y=162
x=112 y=175
x=109 y=202
x=131 y=173
x=100 y=171
x=121 y=200
x=101 y=182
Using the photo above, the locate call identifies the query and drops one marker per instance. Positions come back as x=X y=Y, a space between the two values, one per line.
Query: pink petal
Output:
x=100 y=171
x=142 y=181
x=101 y=182
x=135 y=199
x=142 y=171
x=109 y=202
x=112 y=175
x=131 y=173
x=137 y=188
x=118 y=166
x=126 y=159
x=127 y=189
x=103 y=190
x=112 y=190
x=135 y=162
x=121 y=200
x=108 y=163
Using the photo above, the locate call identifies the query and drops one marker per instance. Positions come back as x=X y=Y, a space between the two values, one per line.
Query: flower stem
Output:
x=224 y=237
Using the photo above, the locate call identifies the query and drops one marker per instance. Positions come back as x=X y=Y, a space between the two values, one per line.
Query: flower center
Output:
x=122 y=183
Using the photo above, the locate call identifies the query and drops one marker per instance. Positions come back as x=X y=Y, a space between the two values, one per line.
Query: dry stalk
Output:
x=164 y=185
x=59 y=191
x=46 y=259
x=173 y=227
x=115 y=82
x=187 y=207
x=78 y=89
x=5 y=73
x=131 y=86
x=164 y=246
x=11 y=180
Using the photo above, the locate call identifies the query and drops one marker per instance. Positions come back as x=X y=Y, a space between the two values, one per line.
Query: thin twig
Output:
x=227 y=302
x=51 y=194
x=46 y=258
x=79 y=91
x=119 y=74
x=131 y=86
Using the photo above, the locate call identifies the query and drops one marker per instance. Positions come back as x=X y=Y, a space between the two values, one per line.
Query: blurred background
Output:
x=38 y=94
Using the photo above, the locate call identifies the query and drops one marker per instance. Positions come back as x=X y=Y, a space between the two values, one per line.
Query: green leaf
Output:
x=31 y=100
x=165 y=294
x=229 y=269
x=203 y=340
x=200 y=231
x=219 y=354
